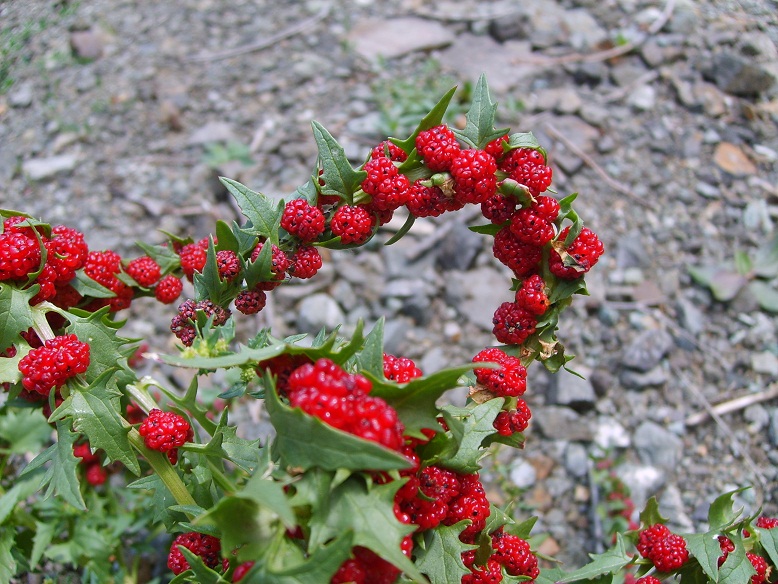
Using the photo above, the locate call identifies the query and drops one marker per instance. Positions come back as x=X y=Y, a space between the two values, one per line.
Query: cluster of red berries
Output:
x=50 y=366
x=165 y=432
x=666 y=550
x=183 y=324
x=94 y=471
x=341 y=399
x=367 y=568
x=508 y=380
x=207 y=547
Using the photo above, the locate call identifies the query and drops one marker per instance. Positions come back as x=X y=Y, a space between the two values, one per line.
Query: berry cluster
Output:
x=400 y=369
x=207 y=547
x=50 y=366
x=665 y=549
x=508 y=380
x=94 y=471
x=365 y=568
x=165 y=432
x=341 y=399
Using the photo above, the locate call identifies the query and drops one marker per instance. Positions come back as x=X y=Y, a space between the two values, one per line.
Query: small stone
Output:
x=561 y=423
x=647 y=349
x=707 y=190
x=458 y=248
x=757 y=417
x=581 y=134
x=738 y=75
x=86 y=44
x=318 y=311
x=640 y=380
x=212 y=132
x=522 y=474
x=731 y=159
x=44 y=168
x=584 y=31
x=395 y=37
x=643 y=481
x=657 y=446
x=611 y=434
x=570 y=390
x=671 y=505
x=765 y=362
x=643 y=98
x=576 y=459
x=21 y=95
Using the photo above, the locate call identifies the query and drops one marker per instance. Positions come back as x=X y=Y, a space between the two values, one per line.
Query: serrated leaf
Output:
x=20 y=491
x=261 y=269
x=101 y=333
x=95 y=412
x=432 y=119
x=226 y=238
x=208 y=285
x=765 y=295
x=245 y=454
x=7 y=562
x=737 y=568
x=769 y=540
x=550 y=575
x=524 y=140
x=765 y=264
x=319 y=566
x=9 y=366
x=164 y=255
x=440 y=557
x=86 y=286
x=479 y=128
x=44 y=534
x=705 y=547
x=609 y=562
x=203 y=574
x=25 y=430
x=415 y=401
x=369 y=514
x=650 y=514
x=261 y=210
x=240 y=356
x=61 y=477
x=468 y=435
x=162 y=500
x=339 y=177
x=306 y=442
x=721 y=513
x=15 y=313
x=371 y=357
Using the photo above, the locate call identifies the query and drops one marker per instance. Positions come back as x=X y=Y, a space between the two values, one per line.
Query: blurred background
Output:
x=117 y=117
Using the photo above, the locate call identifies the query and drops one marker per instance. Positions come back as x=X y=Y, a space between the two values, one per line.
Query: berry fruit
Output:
x=519 y=257
x=51 y=365
x=352 y=224
x=206 y=546
x=437 y=147
x=168 y=289
x=305 y=262
x=580 y=255
x=531 y=228
x=389 y=189
x=528 y=167
x=665 y=549
x=400 y=369
x=474 y=179
x=424 y=201
x=144 y=270
x=165 y=431
x=250 y=301
x=193 y=257
x=303 y=220
x=532 y=295
x=513 y=323
x=508 y=380
x=19 y=255
x=513 y=421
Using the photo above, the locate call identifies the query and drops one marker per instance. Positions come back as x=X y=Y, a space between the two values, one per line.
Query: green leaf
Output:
x=338 y=175
x=488 y=229
x=243 y=453
x=226 y=238
x=440 y=556
x=368 y=512
x=371 y=357
x=25 y=430
x=415 y=401
x=20 y=491
x=650 y=514
x=550 y=575
x=86 y=286
x=241 y=356
x=15 y=313
x=107 y=350
x=432 y=119
x=164 y=255
x=479 y=129
x=743 y=263
x=7 y=562
x=261 y=210
x=765 y=295
x=609 y=562
x=705 y=547
x=723 y=283
x=469 y=428
x=61 y=478
x=403 y=230
x=769 y=540
x=306 y=442
x=765 y=264
x=95 y=412
x=524 y=140
x=261 y=269
x=208 y=285
x=162 y=500
x=9 y=366
x=203 y=574
x=317 y=567
x=722 y=513
x=737 y=568
x=44 y=534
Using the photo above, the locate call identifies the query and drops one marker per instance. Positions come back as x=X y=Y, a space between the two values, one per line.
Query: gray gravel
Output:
x=116 y=121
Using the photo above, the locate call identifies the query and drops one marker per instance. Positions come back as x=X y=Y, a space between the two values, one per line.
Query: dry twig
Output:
x=295 y=29
x=733 y=405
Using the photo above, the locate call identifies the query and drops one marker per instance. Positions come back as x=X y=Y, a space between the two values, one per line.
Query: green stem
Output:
x=140 y=394
x=161 y=465
x=220 y=478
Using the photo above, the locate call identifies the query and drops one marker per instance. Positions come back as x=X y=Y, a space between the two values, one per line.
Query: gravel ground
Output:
x=116 y=117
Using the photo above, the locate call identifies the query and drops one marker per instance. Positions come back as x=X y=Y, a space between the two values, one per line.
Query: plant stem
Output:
x=220 y=478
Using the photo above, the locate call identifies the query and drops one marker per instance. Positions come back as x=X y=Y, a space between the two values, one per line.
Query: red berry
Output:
x=66 y=252
x=375 y=420
x=514 y=553
x=250 y=301
x=66 y=297
x=84 y=452
x=528 y=167
x=51 y=365
x=489 y=573
x=518 y=256
x=471 y=504
x=426 y=201
x=531 y=228
x=498 y=208
x=665 y=549
x=169 y=289
x=767 y=522
x=532 y=295
x=648 y=580
x=547 y=207
x=305 y=262
x=388 y=188
x=760 y=565
x=474 y=179
x=193 y=257
x=96 y=475
x=228 y=264
x=241 y=571
x=438 y=483
x=19 y=255
x=165 y=431
x=303 y=220
x=513 y=421
x=352 y=224
x=388 y=149
x=508 y=380
x=206 y=546
x=400 y=369
x=495 y=147
x=279 y=263
x=144 y=270
x=512 y=323
x=350 y=572
x=281 y=368
x=581 y=255
x=102 y=267
x=727 y=546
x=437 y=147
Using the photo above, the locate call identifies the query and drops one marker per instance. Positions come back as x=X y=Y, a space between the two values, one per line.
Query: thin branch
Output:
x=612 y=53
x=295 y=29
x=589 y=161
x=733 y=405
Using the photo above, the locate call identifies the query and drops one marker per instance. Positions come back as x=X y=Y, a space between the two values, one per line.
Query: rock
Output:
x=757 y=417
x=772 y=428
x=765 y=362
x=657 y=446
x=562 y=100
x=318 y=311
x=459 y=248
x=707 y=190
x=739 y=75
x=647 y=349
x=643 y=480
x=731 y=159
x=561 y=423
x=542 y=21
x=611 y=434
x=643 y=98
x=522 y=474
x=690 y=317
x=671 y=505
x=685 y=18
x=576 y=459
x=579 y=133
x=86 y=44
x=640 y=380
x=8 y=162
x=477 y=293
x=584 y=32
x=391 y=38
x=21 y=95
x=44 y=168
x=572 y=391
x=469 y=56
x=628 y=71
x=212 y=132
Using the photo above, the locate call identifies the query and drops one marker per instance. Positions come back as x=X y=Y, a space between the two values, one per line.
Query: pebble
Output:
x=643 y=480
x=570 y=390
x=21 y=95
x=375 y=39
x=561 y=423
x=318 y=311
x=86 y=44
x=576 y=459
x=657 y=446
x=640 y=380
x=522 y=474
x=765 y=362
x=731 y=159
x=610 y=434
x=643 y=98
x=647 y=349
x=739 y=76
x=37 y=169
